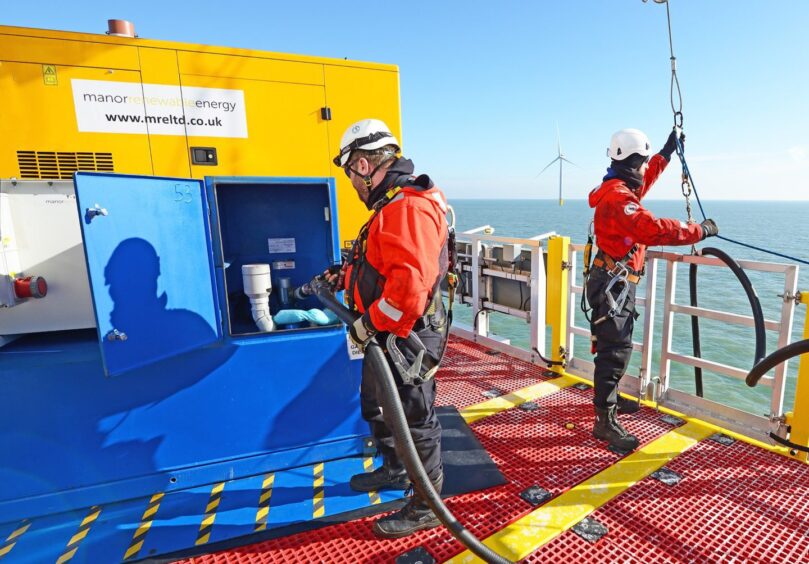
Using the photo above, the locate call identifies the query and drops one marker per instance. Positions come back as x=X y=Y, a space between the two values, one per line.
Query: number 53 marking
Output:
x=182 y=193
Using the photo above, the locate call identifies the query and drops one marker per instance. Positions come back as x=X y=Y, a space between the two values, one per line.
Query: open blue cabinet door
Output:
x=148 y=250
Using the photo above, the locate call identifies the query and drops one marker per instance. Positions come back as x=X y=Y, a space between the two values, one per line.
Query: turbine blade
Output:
x=546 y=167
x=569 y=161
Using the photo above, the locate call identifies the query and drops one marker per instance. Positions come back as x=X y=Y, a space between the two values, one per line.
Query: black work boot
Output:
x=389 y=476
x=608 y=429
x=415 y=516
x=627 y=406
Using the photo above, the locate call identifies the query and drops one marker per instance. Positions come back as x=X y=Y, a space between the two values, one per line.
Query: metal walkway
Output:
x=689 y=494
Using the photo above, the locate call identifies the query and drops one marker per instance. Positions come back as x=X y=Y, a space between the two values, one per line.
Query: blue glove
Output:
x=313 y=316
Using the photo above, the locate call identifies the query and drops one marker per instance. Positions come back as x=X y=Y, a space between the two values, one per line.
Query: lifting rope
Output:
x=688 y=186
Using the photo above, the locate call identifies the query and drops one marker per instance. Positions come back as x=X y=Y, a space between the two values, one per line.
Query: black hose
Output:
x=755 y=304
x=776 y=358
x=692 y=284
x=395 y=418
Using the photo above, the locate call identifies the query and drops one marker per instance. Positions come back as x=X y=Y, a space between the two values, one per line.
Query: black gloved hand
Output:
x=709 y=229
x=362 y=331
x=671 y=144
x=335 y=277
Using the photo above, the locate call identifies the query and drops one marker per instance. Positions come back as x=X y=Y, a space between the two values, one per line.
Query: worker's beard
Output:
x=362 y=191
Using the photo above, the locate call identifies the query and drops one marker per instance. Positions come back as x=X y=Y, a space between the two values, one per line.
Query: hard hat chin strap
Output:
x=368 y=180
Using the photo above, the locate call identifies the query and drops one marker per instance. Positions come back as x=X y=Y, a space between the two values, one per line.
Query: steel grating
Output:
x=736 y=503
x=530 y=447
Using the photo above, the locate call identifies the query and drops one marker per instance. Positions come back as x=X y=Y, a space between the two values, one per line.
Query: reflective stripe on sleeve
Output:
x=389 y=310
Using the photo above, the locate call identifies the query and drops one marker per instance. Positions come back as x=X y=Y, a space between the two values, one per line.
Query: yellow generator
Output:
x=78 y=101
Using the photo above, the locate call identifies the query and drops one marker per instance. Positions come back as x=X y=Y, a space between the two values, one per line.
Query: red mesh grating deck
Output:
x=470 y=369
x=727 y=508
x=735 y=504
x=530 y=447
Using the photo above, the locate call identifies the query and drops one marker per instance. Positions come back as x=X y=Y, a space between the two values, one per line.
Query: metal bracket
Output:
x=566 y=265
x=790 y=297
x=116 y=335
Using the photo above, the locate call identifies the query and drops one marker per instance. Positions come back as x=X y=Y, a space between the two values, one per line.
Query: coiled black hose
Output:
x=755 y=304
x=776 y=358
x=395 y=418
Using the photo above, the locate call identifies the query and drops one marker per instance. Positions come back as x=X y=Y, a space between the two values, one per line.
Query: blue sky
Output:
x=483 y=84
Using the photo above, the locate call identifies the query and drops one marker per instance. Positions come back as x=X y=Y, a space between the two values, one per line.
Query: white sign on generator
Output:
x=158 y=109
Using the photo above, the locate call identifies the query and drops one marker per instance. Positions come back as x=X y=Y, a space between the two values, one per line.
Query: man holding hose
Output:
x=392 y=278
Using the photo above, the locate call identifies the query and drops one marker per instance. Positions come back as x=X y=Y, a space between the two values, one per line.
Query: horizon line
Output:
x=645 y=199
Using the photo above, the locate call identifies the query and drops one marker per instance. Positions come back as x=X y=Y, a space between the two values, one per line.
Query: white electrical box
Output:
x=511 y=252
x=40 y=236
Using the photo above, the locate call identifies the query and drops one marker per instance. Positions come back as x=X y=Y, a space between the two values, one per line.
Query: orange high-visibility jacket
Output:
x=399 y=258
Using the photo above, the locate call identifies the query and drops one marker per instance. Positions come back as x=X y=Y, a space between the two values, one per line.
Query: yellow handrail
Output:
x=556 y=309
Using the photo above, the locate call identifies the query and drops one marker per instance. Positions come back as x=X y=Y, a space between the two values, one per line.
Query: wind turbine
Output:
x=560 y=156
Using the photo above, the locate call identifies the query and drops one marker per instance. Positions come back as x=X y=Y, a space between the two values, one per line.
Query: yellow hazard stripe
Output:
x=527 y=534
x=204 y=534
x=75 y=540
x=318 y=503
x=264 y=502
x=11 y=540
x=534 y=392
x=145 y=524
x=368 y=465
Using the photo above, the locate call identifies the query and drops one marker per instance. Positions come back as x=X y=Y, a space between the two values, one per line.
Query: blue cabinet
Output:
x=178 y=388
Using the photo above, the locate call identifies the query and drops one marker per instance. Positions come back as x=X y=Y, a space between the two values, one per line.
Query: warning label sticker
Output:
x=354 y=352
x=281 y=245
x=49 y=76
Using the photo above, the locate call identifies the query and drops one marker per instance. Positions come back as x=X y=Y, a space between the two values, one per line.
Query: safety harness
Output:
x=619 y=272
x=364 y=274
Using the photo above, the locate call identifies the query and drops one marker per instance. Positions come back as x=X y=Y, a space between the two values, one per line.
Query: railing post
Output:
x=668 y=327
x=784 y=335
x=573 y=305
x=558 y=291
x=480 y=319
x=800 y=412
x=648 y=330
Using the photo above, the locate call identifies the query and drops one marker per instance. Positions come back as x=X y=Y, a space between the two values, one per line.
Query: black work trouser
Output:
x=613 y=337
x=418 y=401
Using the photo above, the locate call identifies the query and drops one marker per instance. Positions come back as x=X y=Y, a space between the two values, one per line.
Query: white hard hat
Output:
x=628 y=142
x=368 y=134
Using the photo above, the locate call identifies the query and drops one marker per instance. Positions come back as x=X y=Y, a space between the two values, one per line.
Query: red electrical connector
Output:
x=30 y=287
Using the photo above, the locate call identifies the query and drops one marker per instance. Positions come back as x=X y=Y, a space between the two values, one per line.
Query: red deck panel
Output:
x=727 y=492
x=470 y=369
x=735 y=504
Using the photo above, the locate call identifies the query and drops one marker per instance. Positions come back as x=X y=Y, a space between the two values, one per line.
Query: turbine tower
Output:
x=560 y=156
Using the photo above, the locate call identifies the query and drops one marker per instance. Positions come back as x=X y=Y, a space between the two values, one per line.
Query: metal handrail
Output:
x=651 y=381
x=654 y=384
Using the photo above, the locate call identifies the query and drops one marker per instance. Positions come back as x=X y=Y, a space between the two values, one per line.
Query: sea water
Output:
x=772 y=225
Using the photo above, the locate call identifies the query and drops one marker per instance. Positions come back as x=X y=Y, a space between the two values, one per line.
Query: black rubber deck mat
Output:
x=467 y=468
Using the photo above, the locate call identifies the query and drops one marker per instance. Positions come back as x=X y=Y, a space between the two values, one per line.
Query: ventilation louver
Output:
x=50 y=165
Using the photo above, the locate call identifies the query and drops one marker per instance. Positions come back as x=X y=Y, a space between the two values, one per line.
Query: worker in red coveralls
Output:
x=392 y=277
x=623 y=229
